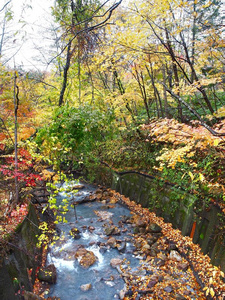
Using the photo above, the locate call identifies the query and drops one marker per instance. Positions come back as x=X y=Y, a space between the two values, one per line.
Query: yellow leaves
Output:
x=172 y=156
x=191 y=175
x=216 y=142
x=220 y=112
x=43 y=226
x=209 y=291
x=201 y=177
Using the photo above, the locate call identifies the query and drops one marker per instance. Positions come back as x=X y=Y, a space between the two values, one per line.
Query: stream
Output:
x=104 y=279
x=103 y=231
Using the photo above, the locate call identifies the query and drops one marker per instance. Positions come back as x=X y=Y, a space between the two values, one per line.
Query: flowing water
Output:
x=106 y=281
x=101 y=281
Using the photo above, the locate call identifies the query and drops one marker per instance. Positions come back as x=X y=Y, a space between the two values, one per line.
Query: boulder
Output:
x=153 y=228
x=111 y=242
x=103 y=215
x=140 y=222
x=115 y=262
x=31 y=296
x=152 y=283
x=112 y=230
x=75 y=233
x=85 y=257
x=88 y=259
x=76 y=186
x=47 y=274
x=183 y=266
x=121 y=247
x=86 y=287
x=174 y=255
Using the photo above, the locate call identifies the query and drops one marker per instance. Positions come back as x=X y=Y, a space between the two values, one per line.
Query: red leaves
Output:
x=23 y=173
x=18 y=214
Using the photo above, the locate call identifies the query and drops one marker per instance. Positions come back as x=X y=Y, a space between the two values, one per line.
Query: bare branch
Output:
x=94 y=27
x=5 y=6
x=212 y=131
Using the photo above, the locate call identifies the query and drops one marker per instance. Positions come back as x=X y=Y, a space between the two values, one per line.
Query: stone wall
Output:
x=22 y=256
x=174 y=205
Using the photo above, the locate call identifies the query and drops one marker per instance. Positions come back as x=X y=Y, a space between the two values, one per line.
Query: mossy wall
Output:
x=22 y=256
x=175 y=206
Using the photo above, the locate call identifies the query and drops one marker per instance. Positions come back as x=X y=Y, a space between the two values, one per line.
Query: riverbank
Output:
x=162 y=261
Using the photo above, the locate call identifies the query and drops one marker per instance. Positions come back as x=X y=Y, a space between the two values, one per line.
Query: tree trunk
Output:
x=65 y=74
x=164 y=92
x=16 y=106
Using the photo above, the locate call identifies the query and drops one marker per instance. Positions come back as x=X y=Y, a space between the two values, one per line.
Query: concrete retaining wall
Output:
x=22 y=255
x=174 y=205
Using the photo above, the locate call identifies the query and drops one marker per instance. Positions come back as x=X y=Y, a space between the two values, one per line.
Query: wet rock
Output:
x=47 y=274
x=152 y=283
x=146 y=247
x=75 y=233
x=122 y=293
x=111 y=278
x=154 y=249
x=140 y=222
x=136 y=230
x=174 y=255
x=114 y=262
x=129 y=293
x=183 y=266
x=80 y=251
x=112 y=230
x=125 y=219
x=121 y=247
x=151 y=240
x=111 y=242
x=140 y=272
x=159 y=262
x=153 y=252
x=103 y=249
x=91 y=228
x=149 y=272
x=77 y=187
x=179 y=297
x=92 y=243
x=31 y=296
x=154 y=228
x=67 y=255
x=172 y=246
x=85 y=257
x=103 y=215
x=86 y=287
x=110 y=283
x=168 y=289
x=88 y=259
x=162 y=256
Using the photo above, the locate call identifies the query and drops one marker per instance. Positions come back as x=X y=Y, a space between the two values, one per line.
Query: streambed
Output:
x=104 y=228
x=105 y=281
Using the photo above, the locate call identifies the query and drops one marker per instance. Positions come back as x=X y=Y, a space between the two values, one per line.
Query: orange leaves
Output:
x=2 y=136
x=26 y=133
x=191 y=254
x=171 y=131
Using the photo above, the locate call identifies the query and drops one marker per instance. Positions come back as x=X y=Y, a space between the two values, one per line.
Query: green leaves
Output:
x=74 y=131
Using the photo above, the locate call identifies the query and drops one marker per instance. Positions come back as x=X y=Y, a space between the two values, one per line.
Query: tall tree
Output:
x=77 y=19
